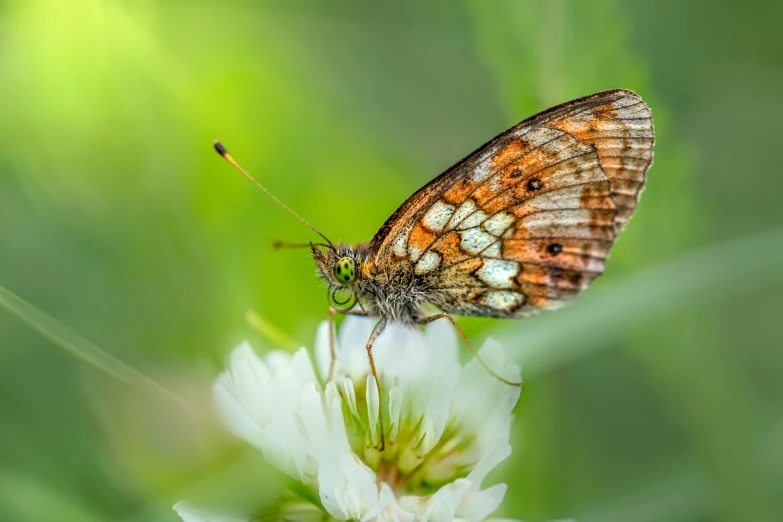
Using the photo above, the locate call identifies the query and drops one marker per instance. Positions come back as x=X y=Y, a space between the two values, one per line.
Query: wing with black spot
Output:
x=527 y=221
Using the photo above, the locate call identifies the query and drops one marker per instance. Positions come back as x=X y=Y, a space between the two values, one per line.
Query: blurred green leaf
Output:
x=72 y=343
x=26 y=499
x=610 y=311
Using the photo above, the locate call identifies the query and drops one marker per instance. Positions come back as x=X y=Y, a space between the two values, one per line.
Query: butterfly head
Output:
x=337 y=265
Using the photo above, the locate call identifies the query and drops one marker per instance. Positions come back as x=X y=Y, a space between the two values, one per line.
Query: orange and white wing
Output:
x=526 y=222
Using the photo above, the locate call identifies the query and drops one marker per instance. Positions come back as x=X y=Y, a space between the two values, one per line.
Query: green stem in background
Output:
x=609 y=312
x=79 y=347
x=678 y=491
x=275 y=335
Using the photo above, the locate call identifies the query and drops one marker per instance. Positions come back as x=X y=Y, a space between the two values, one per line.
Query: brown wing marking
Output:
x=526 y=222
x=553 y=240
x=621 y=130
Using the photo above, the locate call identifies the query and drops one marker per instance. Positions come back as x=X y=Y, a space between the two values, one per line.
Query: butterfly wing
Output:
x=526 y=221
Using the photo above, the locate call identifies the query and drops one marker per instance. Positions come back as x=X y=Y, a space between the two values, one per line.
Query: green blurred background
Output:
x=655 y=397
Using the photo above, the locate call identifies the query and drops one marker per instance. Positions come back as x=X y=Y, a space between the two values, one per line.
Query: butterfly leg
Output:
x=332 y=352
x=444 y=315
x=375 y=333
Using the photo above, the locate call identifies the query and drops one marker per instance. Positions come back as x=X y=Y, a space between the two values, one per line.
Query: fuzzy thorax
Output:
x=388 y=294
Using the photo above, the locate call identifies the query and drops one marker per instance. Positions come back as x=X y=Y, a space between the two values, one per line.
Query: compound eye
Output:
x=345 y=270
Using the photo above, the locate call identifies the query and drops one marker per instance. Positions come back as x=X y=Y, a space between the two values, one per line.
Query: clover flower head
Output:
x=445 y=426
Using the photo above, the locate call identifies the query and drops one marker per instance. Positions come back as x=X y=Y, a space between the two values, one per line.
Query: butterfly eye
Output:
x=345 y=270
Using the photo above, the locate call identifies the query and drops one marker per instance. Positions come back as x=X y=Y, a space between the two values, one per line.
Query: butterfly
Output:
x=523 y=224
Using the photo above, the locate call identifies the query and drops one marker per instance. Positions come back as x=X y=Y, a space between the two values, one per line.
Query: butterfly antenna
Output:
x=284 y=244
x=223 y=152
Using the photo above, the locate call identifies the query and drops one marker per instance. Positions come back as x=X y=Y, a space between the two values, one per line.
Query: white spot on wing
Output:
x=503 y=300
x=415 y=252
x=634 y=111
x=621 y=145
x=498 y=223
x=498 y=272
x=536 y=136
x=438 y=215
x=474 y=240
x=493 y=251
x=559 y=149
x=482 y=170
x=567 y=197
x=400 y=242
x=473 y=220
x=562 y=217
x=588 y=169
x=428 y=262
x=464 y=210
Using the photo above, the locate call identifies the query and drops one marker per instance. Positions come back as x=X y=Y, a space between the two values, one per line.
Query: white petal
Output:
x=478 y=504
x=481 y=403
x=279 y=449
x=313 y=420
x=436 y=411
x=323 y=353
x=236 y=418
x=401 y=353
x=395 y=407
x=331 y=397
x=349 y=393
x=387 y=509
x=249 y=377
x=441 y=340
x=346 y=485
x=268 y=403
x=243 y=358
x=495 y=456
x=395 y=352
x=302 y=367
x=276 y=359
x=373 y=409
x=352 y=355
x=189 y=513
x=444 y=503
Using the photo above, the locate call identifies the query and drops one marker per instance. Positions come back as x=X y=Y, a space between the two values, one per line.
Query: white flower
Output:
x=445 y=426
